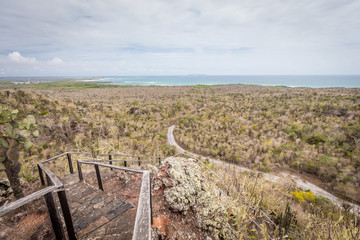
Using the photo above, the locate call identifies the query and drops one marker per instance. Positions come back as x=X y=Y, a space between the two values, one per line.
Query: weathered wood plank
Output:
x=113 y=166
x=54 y=158
x=104 y=154
x=31 y=197
x=142 y=229
x=118 y=160
x=52 y=176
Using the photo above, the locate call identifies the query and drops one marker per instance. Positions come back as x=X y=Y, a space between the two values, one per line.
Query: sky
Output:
x=179 y=37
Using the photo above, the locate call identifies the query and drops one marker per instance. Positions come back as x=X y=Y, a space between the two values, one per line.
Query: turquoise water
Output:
x=289 y=81
x=318 y=81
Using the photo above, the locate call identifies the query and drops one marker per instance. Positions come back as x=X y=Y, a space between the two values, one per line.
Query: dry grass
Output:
x=267 y=128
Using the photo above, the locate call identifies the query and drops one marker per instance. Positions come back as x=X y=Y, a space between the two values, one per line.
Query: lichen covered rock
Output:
x=187 y=183
x=188 y=192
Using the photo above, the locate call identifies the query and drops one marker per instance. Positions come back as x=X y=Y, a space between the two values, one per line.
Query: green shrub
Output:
x=315 y=139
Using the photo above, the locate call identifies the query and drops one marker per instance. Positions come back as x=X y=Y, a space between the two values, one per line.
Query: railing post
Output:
x=125 y=164
x=41 y=175
x=48 y=180
x=98 y=177
x=79 y=171
x=67 y=215
x=110 y=162
x=70 y=163
x=139 y=161
x=54 y=216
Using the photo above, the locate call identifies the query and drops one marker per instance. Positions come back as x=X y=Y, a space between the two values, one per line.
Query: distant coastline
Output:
x=312 y=81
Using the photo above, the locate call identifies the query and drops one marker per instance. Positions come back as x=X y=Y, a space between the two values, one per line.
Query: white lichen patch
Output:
x=189 y=192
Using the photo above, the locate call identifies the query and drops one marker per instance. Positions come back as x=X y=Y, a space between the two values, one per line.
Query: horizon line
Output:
x=175 y=75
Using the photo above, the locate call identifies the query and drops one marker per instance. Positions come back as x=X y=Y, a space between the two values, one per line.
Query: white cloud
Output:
x=181 y=37
x=55 y=61
x=17 y=57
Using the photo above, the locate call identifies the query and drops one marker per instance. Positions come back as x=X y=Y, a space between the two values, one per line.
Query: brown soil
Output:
x=29 y=222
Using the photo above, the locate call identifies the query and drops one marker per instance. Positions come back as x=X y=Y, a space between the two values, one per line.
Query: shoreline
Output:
x=280 y=81
x=90 y=84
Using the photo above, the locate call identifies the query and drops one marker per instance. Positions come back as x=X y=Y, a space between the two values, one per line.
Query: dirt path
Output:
x=272 y=177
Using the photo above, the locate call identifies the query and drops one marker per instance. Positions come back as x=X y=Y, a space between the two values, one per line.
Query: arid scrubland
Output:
x=127 y=120
x=279 y=209
x=316 y=131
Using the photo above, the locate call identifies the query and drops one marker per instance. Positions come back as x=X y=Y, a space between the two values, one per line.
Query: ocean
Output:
x=318 y=81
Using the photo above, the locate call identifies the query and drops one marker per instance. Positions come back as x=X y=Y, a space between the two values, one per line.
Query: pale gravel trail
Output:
x=271 y=177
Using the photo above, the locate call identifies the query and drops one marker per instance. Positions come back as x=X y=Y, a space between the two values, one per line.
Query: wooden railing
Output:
x=52 y=185
x=143 y=221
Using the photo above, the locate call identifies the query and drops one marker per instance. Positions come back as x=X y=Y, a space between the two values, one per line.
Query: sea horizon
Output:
x=312 y=81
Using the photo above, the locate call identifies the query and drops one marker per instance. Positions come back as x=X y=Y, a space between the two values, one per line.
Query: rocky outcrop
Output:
x=185 y=190
x=5 y=190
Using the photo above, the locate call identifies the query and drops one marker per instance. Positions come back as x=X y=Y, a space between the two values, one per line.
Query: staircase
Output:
x=87 y=211
x=96 y=214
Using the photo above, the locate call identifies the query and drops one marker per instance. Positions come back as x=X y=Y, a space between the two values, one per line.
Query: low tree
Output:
x=15 y=135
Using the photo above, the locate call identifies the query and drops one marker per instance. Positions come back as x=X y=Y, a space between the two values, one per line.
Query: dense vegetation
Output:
x=297 y=214
x=316 y=131
x=128 y=120
x=268 y=128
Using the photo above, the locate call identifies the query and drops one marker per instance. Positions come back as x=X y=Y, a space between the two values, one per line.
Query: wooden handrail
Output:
x=107 y=154
x=54 y=158
x=22 y=201
x=112 y=166
x=142 y=229
x=54 y=179
x=144 y=213
x=118 y=160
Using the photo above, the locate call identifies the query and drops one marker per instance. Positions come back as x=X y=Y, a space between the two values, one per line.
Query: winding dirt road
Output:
x=271 y=177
